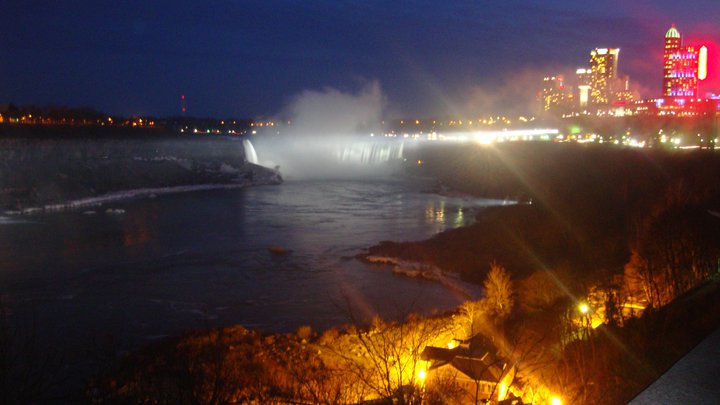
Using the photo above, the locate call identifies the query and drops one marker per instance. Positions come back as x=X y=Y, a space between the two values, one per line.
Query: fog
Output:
x=512 y=95
x=327 y=134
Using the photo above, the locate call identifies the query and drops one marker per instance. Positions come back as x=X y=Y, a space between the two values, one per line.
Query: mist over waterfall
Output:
x=329 y=136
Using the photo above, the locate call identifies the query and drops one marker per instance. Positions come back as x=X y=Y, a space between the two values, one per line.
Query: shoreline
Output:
x=424 y=271
x=418 y=269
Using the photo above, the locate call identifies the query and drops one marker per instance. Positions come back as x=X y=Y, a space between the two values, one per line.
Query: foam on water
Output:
x=10 y=220
x=112 y=197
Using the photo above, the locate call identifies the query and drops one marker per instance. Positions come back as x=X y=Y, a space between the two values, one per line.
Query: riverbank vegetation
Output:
x=553 y=353
x=380 y=362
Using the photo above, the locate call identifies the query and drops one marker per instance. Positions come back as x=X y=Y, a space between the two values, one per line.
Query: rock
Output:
x=277 y=250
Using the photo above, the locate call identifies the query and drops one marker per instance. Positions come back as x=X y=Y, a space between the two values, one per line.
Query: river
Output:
x=130 y=272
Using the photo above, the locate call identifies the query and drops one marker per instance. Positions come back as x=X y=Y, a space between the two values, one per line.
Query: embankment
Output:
x=45 y=171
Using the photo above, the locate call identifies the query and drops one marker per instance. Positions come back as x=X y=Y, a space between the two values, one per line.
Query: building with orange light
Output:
x=603 y=71
x=554 y=94
x=479 y=373
x=584 y=79
x=601 y=85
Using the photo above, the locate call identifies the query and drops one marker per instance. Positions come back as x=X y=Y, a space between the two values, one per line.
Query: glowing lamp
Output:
x=422 y=374
x=584 y=308
x=555 y=401
x=702 y=63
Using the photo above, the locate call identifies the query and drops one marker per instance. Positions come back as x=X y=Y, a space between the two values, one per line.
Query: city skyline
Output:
x=252 y=59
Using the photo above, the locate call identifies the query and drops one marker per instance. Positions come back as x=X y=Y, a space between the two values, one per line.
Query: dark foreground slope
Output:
x=43 y=171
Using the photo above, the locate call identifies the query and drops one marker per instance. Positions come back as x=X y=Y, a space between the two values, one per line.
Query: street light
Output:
x=584 y=308
x=555 y=401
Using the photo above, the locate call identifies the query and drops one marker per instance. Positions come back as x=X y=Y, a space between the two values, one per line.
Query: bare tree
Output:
x=676 y=249
x=315 y=376
x=499 y=291
x=387 y=360
x=444 y=389
x=472 y=315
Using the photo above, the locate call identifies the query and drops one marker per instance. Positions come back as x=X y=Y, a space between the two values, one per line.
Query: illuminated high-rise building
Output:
x=673 y=41
x=683 y=66
x=603 y=70
x=553 y=92
x=584 y=78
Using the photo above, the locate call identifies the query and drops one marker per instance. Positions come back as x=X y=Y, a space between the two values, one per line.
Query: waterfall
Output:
x=369 y=152
x=340 y=156
x=250 y=154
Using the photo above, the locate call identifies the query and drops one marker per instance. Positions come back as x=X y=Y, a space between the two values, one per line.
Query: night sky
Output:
x=250 y=58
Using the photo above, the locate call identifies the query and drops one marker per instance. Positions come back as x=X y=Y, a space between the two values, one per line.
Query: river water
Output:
x=154 y=267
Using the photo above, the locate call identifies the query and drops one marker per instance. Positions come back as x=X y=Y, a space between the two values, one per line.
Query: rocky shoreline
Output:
x=422 y=271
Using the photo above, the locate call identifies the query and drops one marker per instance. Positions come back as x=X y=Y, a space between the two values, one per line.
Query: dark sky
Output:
x=250 y=58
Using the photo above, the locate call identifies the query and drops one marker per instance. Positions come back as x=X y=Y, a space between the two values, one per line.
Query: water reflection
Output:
x=435 y=213
x=459 y=217
x=139 y=226
x=443 y=213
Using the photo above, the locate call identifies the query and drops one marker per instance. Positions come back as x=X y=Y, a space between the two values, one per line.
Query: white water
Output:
x=369 y=152
x=330 y=157
x=250 y=154
x=117 y=196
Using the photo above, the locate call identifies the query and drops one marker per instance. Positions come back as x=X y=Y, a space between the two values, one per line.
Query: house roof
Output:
x=481 y=369
x=474 y=363
x=439 y=356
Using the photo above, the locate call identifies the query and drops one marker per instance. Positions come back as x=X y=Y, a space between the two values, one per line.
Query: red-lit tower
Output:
x=682 y=66
x=183 y=107
x=673 y=41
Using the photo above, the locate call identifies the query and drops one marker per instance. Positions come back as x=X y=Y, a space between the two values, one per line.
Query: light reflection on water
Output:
x=435 y=213
x=459 y=218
